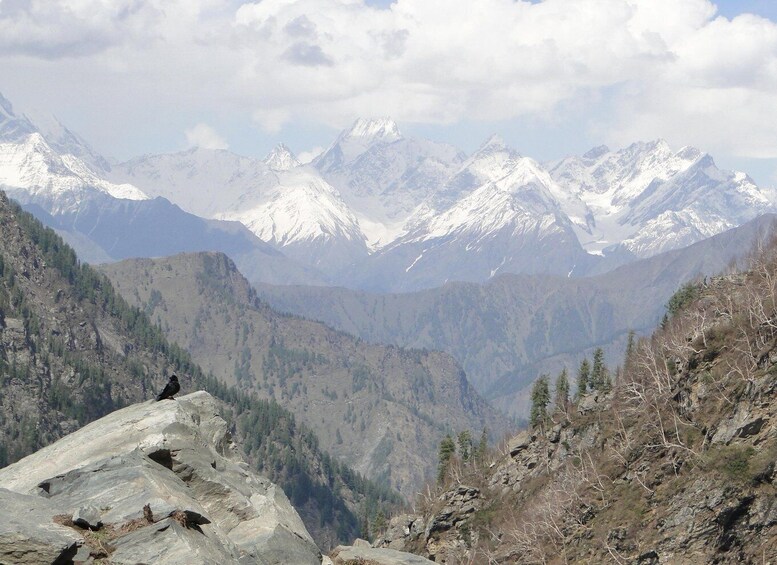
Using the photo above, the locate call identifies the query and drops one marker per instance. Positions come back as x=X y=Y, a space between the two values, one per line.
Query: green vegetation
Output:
x=561 y=398
x=680 y=299
x=583 y=377
x=540 y=398
x=447 y=449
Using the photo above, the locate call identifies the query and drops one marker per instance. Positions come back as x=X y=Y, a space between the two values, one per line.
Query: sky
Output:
x=552 y=77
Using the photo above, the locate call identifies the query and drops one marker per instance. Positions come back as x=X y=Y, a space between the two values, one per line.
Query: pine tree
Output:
x=562 y=390
x=540 y=398
x=465 y=445
x=600 y=375
x=447 y=449
x=583 y=376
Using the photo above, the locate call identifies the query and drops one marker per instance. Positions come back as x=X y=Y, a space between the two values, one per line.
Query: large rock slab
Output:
x=150 y=461
x=28 y=533
x=357 y=555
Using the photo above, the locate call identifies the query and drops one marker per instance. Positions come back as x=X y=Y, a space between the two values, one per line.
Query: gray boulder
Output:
x=28 y=533
x=169 y=485
x=357 y=555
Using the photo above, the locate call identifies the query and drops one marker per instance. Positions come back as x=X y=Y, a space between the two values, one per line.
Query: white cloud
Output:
x=666 y=68
x=204 y=136
x=308 y=156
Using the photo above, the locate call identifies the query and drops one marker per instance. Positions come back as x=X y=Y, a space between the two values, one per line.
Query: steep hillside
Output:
x=72 y=350
x=381 y=409
x=676 y=464
x=507 y=331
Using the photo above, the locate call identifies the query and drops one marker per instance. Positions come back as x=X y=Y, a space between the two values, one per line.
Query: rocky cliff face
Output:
x=156 y=482
x=675 y=465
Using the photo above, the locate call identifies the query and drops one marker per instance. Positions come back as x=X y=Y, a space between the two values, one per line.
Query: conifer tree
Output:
x=447 y=449
x=583 y=376
x=465 y=445
x=562 y=390
x=597 y=373
x=600 y=374
x=480 y=452
x=540 y=398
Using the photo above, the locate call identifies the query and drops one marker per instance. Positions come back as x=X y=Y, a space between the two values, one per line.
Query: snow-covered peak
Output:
x=353 y=143
x=303 y=207
x=13 y=127
x=281 y=158
x=374 y=129
x=33 y=171
x=492 y=161
x=596 y=152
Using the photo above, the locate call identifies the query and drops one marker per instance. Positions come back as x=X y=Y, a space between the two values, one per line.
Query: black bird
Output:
x=171 y=389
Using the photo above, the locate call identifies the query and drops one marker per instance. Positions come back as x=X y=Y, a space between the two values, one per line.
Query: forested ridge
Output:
x=73 y=350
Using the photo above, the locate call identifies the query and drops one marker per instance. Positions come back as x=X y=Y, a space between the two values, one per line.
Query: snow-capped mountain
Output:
x=16 y=128
x=305 y=217
x=206 y=182
x=281 y=158
x=33 y=171
x=284 y=203
x=384 y=211
x=105 y=220
x=384 y=176
x=13 y=127
x=646 y=198
x=510 y=223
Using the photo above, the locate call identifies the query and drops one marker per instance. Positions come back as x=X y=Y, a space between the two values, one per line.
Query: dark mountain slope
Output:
x=72 y=350
x=104 y=229
x=380 y=409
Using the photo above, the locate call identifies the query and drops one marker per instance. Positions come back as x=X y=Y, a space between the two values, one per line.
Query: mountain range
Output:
x=407 y=214
x=378 y=210
x=382 y=212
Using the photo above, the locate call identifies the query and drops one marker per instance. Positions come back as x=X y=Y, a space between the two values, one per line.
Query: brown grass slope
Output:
x=381 y=409
x=675 y=465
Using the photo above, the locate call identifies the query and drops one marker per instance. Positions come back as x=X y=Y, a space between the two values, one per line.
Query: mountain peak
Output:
x=689 y=153
x=12 y=127
x=6 y=109
x=377 y=129
x=596 y=152
x=494 y=142
x=281 y=158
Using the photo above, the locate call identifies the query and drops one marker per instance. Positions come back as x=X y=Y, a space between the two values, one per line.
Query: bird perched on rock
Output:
x=171 y=388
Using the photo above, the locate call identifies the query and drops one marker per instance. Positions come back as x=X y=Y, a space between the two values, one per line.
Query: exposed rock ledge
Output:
x=176 y=459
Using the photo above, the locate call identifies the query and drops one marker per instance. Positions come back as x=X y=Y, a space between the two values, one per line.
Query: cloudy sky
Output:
x=553 y=77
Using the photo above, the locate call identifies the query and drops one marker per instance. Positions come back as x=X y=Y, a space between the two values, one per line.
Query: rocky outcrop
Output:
x=445 y=531
x=28 y=533
x=161 y=482
x=360 y=555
